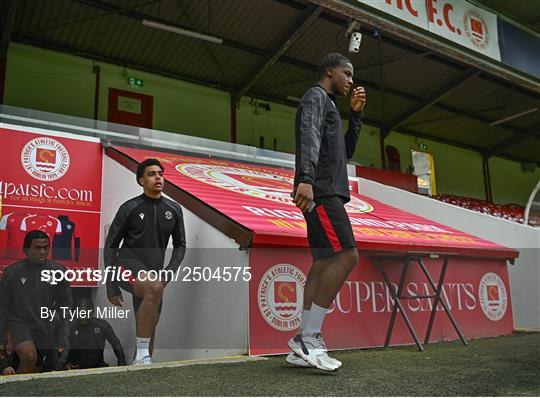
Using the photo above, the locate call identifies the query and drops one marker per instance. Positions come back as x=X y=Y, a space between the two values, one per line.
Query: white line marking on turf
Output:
x=130 y=368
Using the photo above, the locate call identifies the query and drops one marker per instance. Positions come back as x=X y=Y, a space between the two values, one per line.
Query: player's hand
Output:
x=59 y=365
x=358 y=99
x=304 y=196
x=69 y=366
x=8 y=371
x=117 y=300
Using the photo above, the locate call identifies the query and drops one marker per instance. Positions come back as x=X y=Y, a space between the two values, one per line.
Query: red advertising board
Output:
x=476 y=290
x=393 y=178
x=476 y=286
x=51 y=182
x=258 y=197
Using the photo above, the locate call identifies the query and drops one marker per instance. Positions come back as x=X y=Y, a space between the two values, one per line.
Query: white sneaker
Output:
x=313 y=350
x=297 y=360
x=337 y=363
x=146 y=360
x=325 y=354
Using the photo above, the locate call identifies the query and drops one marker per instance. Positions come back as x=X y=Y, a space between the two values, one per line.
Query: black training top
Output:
x=23 y=293
x=145 y=226
x=87 y=343
x=322 y=150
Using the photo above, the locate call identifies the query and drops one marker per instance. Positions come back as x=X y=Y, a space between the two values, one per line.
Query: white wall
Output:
x=199 y=320
x=524 y=275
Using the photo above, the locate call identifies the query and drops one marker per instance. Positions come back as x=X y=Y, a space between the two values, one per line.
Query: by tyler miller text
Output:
x=76 y=313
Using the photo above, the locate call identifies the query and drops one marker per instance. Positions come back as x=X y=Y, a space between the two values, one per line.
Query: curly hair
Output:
x=330 y=61
x=146 y=163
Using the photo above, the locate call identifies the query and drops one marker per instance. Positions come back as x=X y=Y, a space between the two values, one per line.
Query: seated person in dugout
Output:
x=29 y=305
x=87 y=340
x=6 y=367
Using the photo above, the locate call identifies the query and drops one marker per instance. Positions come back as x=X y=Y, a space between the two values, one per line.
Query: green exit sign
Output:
x=422 y=146
x=133 y=81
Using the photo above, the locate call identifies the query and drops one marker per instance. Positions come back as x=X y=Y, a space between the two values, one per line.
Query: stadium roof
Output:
x=270 y=48
x=524 y=12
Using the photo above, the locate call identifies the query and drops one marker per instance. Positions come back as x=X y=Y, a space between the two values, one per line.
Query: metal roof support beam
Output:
x=487 y=179
x=118 y=62
x=306 y=20
x=497 y=148
x=433 y=98
x=219 y=86
x=402 y=94
x=285 y=59
x=109 y=9
x=378 y=124
x=423 y=38
x=208 y=49
x=7 y=17
x=126 y=12
x=434 y=56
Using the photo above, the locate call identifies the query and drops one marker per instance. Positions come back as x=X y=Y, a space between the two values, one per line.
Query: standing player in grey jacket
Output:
x=145 y=224
x=321 y=188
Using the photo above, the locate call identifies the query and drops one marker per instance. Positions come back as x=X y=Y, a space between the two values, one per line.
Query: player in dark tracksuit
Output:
x=23 y=294
x=321 y=189
x=87 y=340
x=145 y=224
x=5 y=365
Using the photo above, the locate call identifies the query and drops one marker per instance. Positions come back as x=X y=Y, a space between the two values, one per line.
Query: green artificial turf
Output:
x=496 y=366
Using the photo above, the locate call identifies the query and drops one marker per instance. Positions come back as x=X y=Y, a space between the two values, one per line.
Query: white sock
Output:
x=315 y=320
x=142 y=347
x=305 y=315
